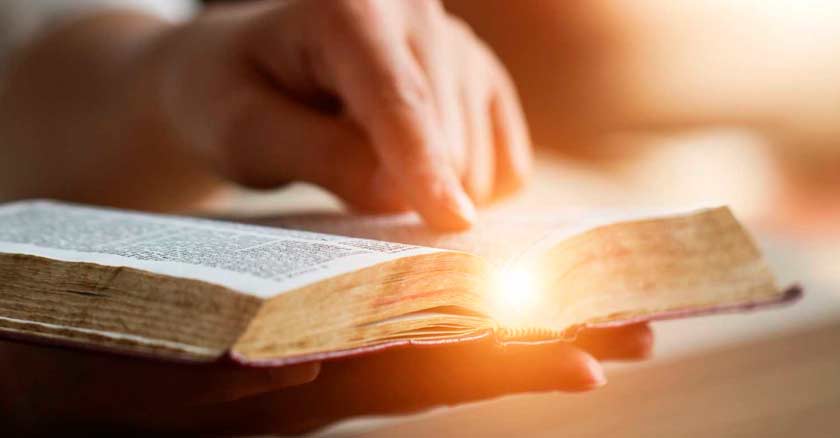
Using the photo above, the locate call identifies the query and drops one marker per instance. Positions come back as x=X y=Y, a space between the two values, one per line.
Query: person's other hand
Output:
x=412 y=379
x=388 y=104
x=42 y=388
x=90 y=390
x=99 y=391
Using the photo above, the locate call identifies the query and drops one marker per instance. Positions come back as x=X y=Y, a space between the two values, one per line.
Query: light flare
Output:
x=515 y=295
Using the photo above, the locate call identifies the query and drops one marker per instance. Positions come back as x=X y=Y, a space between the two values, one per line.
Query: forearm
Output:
x=79 y=119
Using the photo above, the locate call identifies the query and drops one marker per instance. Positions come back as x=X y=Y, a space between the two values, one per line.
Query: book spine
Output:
x=531 y=334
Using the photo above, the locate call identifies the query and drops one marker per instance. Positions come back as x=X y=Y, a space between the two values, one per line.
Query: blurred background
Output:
x=674 y=105
x=652 y=104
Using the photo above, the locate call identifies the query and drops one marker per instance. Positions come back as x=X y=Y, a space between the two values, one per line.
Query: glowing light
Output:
x=515 y=294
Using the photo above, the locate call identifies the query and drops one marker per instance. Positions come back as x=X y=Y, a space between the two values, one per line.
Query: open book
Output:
x=198 y=290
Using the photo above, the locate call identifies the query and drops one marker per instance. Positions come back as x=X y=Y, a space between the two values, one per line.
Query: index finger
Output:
x=629 y=342
x=386 y=92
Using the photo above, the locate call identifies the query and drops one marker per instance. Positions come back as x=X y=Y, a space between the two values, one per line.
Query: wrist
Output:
x=89 y=92
x=143 y=75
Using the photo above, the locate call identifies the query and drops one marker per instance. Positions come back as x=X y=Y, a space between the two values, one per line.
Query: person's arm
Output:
x=78 y=119
x=387 y=104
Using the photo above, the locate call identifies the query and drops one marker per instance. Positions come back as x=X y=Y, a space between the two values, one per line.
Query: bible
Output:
x=312 y=287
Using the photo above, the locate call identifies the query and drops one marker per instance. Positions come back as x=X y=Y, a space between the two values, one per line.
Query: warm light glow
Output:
x=515 y=294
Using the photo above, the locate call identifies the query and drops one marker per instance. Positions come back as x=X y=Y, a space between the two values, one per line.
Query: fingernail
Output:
x=294 y=374
x=462 y=205
x=597 y=378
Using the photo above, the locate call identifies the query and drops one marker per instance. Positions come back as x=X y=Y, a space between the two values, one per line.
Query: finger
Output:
x=389 y=95
x=227 y=383
x=630 y=342
x=365 y=59
x=382 y=196
x=272 y=139
x=479 y=172
x=458 y=374
x=431 y=42
x=513 y=143
x=408 y=380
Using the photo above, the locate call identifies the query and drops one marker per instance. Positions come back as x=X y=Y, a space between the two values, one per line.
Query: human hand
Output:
x=43 y=388
x=408 y=380
x=88 y=390
x=388 y=104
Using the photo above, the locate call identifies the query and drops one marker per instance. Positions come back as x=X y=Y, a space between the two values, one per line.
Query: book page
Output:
x=526 y=284
x=257 y=260
x=500 y=236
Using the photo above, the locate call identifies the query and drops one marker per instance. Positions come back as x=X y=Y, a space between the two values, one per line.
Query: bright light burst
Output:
x=515 y=294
